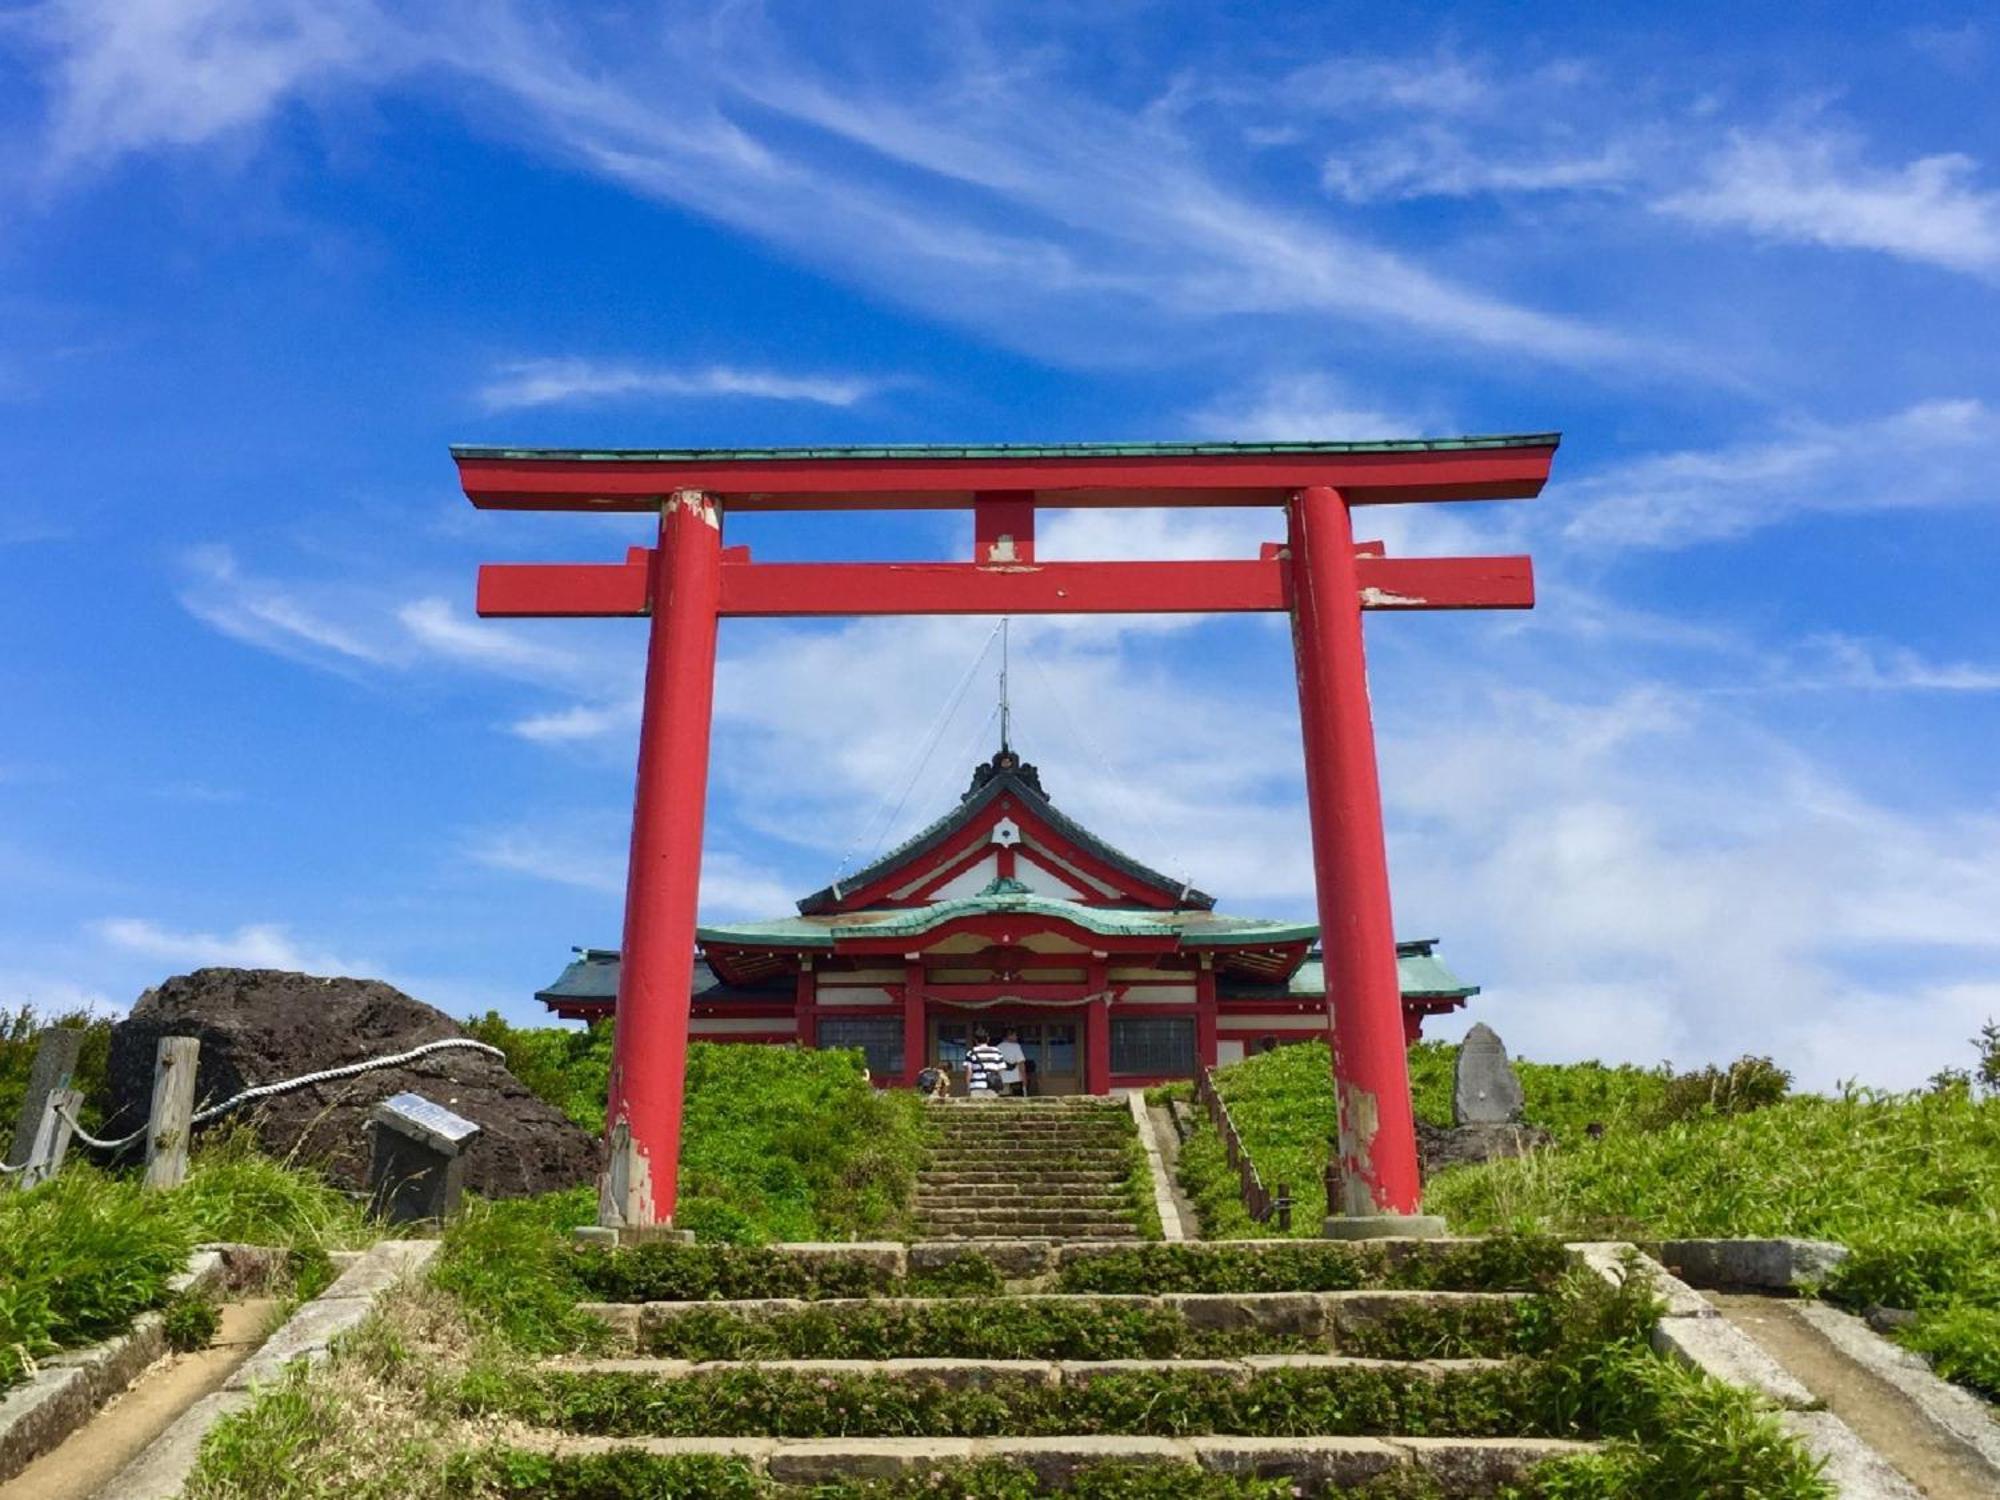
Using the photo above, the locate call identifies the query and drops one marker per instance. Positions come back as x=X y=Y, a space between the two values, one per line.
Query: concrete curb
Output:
x=1779 y=1265
x=1693 y=1331
x=1955 y=1413
x=1171 y=1228
x=1465 y=1466
x=162 y=1467
x=67 y=1389
x=1855 y=1470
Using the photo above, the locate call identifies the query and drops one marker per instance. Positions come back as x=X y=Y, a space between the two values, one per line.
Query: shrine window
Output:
x=878 y=1038
x=1156 y=1045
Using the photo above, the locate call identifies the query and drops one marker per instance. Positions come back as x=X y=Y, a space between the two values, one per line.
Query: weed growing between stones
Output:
x=190 y=1321
x=1138 y=1190
x=703 y=1273
x=1484 y=1402
x=1524 y=1262
x=975 y=1328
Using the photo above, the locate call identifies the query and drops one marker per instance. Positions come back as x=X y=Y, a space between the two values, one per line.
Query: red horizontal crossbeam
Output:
x=1058 y=480
x=776 y=590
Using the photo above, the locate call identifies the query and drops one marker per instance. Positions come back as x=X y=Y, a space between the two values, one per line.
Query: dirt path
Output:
x=1170 y=1158
x=1883 y=1417
x=88 y=1457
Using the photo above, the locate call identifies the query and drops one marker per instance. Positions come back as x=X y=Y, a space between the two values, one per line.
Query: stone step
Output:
x=1037 y=1128
x=981 y=1161
x=1041 y=1203
x=990 y=1177
x=979 y=1374
x=1309 y=1314
x=1317 y=1465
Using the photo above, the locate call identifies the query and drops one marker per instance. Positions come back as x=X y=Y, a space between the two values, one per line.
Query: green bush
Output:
x=20 y=1036
x=561 y=1065
x=1746 y=1084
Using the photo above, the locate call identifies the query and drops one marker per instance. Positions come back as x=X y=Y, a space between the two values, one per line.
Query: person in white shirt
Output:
x=1013 y=1078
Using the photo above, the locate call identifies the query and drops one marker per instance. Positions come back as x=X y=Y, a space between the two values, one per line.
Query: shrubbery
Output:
x=777 y=1143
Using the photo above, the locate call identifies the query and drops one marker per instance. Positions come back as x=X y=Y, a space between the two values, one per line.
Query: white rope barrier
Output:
x=266 y=1090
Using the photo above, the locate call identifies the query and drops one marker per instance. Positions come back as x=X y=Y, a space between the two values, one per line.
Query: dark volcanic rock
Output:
x=1442 y=1146
x=265 y=1025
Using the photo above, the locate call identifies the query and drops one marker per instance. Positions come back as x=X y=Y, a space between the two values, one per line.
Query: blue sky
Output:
x=1731 y=787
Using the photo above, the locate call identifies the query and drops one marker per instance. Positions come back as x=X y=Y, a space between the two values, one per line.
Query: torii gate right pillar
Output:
x=1378 y=1159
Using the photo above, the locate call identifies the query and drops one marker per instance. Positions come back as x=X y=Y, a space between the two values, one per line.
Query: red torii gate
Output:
x=1319 y=574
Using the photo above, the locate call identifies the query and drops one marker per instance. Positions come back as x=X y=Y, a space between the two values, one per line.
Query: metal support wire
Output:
x=928 y=749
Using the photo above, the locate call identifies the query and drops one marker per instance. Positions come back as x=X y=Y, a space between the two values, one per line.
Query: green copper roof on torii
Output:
x=924 y=452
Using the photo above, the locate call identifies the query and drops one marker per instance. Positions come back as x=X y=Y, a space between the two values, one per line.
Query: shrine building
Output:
x=1004 y=914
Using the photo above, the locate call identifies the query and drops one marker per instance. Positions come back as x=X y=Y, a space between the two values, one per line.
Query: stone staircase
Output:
x=1027 y=1169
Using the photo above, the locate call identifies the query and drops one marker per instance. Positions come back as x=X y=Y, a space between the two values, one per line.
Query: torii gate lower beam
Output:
x=1320 y=575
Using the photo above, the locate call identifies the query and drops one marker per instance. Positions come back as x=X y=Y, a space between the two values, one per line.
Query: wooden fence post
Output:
x=45 y=1157
x=173 y=1108
x=53 y=1068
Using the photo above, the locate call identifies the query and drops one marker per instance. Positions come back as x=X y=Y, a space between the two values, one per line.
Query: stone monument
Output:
x=1484 y=1088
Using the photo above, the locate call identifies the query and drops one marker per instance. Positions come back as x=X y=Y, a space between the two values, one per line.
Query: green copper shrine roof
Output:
x=1006 y=774
x=925 y=451
x=1192 y=927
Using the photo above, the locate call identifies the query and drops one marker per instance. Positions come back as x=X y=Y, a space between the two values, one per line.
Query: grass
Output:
x=1910 y=1183
x=776 y=1143
x=87 y=1251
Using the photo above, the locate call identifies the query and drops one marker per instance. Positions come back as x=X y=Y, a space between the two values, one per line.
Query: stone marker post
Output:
x=417 y=1170
x=171 y=1121
x=1484 y=1088
x=53 y=1068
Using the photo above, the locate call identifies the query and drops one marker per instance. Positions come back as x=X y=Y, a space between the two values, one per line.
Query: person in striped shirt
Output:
x=984 y=1063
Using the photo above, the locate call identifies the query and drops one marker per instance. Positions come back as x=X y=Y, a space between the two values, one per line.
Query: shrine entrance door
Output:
x=1054 y=1049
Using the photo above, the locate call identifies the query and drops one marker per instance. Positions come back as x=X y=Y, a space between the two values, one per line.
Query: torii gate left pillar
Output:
x=1320 y=576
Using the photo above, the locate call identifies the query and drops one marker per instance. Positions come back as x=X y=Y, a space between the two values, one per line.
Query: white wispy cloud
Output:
x=140 y=74
x=1930 y=454
x=558 y=382
x=587 y=852
x=1841 y=661
x=262 y=612
x=1001 y=197
x=1815 y=188
x=256 y=945
x=1439 y=163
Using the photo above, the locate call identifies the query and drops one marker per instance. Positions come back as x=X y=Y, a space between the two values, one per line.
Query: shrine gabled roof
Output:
x=1006 y=774
x=1191 y=928
x=919 y=452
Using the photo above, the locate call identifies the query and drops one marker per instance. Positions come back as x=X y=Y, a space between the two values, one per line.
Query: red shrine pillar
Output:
x=649 y=1047
x=1378 y=1149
